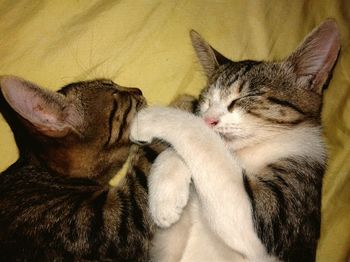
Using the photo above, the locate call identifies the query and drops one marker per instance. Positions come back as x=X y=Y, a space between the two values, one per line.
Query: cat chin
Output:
x=236 y=145
x=234 y=142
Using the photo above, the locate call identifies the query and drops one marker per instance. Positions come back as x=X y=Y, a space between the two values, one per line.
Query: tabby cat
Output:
x=55 y=201
x=254 y=158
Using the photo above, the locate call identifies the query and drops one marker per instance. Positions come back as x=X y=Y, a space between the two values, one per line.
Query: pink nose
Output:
x=211 y=121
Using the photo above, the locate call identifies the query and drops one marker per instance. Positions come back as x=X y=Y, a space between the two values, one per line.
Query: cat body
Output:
x=243 y=181
x=55 y=201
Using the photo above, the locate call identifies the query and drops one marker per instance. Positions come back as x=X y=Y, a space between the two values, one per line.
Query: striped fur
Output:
x=256 y=181
x=55 y=201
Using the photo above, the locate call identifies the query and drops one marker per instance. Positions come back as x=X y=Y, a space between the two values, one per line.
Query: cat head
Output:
x=80 y=130
x=247 y=102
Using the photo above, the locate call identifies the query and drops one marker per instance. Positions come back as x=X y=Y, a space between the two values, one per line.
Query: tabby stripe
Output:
x=277 y=169
x=69 y=219
x=72 y=216
x=248 y=188
x=116 y=248
x=242 y=71
x=124 y=121
x=273 y=120
x=259 y=224
x=280 y=209
x=255 y=94
x=280 y=179
x=241 y=86
x=236 y=76
x=141 y=177
x=247 y=68
x=285 y=104
x=110 y=121
x=58 y=202
x=276 y=224
x=136 y=211
x=280 y=216
x=97 y=223
x=123 y=226
x=27 y=202
x=269 y=229
x=275 y=190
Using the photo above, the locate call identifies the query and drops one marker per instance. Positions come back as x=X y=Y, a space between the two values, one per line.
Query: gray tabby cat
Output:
x=254 y=158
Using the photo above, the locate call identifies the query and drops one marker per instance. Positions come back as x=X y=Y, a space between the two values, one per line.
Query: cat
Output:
x=55 y=201
x=243 y=179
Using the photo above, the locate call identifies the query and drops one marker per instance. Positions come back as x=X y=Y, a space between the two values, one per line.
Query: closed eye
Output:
x=231 y=105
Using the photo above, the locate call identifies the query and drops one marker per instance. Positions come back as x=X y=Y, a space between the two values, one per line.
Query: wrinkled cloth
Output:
x=146 y=44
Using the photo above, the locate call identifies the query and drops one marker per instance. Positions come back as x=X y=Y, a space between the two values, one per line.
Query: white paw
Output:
x=169 y=187
x=167 y=209
x=141 y=127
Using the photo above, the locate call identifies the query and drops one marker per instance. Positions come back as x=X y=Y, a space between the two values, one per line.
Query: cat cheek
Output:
x=234 y=118
x=203 y=108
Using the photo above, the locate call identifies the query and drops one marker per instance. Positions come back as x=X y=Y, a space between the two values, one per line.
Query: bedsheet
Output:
x=145 y=43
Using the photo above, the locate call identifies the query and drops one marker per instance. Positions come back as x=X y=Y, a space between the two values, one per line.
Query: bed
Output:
x=145 y=43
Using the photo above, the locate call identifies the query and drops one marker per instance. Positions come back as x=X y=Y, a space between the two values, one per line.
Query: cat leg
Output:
x=169 y=185
x=216 y=174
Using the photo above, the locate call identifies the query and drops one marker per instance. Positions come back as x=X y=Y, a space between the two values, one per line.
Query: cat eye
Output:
x=232 y=104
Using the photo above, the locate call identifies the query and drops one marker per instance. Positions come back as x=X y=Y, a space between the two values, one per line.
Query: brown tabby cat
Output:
x=55 y=201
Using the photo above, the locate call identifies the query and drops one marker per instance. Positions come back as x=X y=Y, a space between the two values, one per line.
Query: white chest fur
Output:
x=303 y=142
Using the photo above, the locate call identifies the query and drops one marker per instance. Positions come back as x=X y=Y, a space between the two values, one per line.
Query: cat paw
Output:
x=169 y=188
x=168 y=210
x=141 y=130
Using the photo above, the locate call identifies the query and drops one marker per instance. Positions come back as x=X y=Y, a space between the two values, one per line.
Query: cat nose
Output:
x=211 y=121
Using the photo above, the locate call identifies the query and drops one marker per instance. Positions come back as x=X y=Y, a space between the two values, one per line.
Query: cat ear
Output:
x=315 y=57
x=47 y=111
x=208 y=56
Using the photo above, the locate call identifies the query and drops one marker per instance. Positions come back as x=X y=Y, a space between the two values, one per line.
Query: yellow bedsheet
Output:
x=145 y=43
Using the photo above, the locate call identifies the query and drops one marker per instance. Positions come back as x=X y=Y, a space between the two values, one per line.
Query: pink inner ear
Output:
x=209 y=58
x=318 y=53
x=39 y=107
x=25 y=99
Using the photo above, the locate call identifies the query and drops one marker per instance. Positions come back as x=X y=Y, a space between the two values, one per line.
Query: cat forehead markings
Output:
x=215 y=94
x=228 y=93
x=234 y=90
